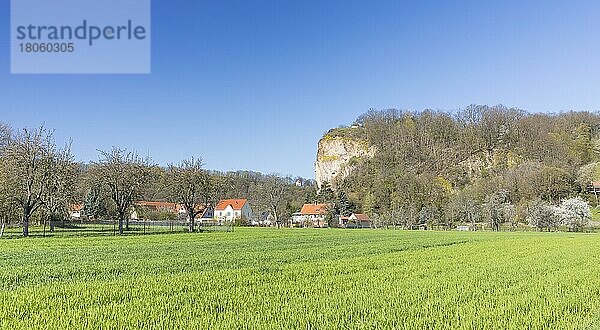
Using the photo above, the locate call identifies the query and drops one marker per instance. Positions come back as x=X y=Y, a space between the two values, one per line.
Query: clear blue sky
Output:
x=254 y=84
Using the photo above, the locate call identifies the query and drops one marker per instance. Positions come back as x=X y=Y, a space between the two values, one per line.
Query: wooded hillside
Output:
x=473 y=165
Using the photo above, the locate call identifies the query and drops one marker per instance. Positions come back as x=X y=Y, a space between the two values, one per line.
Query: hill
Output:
x=432 y=166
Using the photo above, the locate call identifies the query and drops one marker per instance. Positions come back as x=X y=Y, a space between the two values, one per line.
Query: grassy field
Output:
x=303 y=279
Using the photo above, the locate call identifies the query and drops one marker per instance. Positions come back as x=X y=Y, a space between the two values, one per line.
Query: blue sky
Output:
x=254 y=84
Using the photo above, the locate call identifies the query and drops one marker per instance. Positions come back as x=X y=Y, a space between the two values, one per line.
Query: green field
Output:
x=303 y=279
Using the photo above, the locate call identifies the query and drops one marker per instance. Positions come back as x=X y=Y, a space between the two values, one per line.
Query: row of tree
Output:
x=41 y=181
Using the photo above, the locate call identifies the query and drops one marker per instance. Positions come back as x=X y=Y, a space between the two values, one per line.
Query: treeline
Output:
x=40 y=182
x=481 y=165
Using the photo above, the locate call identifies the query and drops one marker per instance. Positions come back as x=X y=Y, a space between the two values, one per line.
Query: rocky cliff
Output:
x=339 y=151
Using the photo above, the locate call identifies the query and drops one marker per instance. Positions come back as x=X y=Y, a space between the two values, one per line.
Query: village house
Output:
x=207 y=215
x=594 y=188
x=76 y=211
x=232 y=209
x=264 y=219
x=355 y=220
x=343 y=221
x=312 y=215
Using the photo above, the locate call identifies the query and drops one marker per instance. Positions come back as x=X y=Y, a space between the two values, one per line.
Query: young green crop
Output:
x=303 y=279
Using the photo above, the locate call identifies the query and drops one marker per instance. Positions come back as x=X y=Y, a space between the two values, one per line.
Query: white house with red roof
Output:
x=232 y=209
x=76 y=211
x=312 y=215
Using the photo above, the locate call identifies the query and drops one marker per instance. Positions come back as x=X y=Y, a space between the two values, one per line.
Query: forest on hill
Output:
x=482 y=164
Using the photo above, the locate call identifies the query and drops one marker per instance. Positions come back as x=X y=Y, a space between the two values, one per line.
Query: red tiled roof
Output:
x=596 y=184
x=361 y=217
x=76 y=207
x=236 y=204
x=315 y=208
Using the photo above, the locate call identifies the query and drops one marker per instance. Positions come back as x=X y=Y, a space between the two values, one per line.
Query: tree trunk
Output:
x=275 y=215
x=192 y=224
x=25 y=227
x=121 y=221
x=126 y=224
x=25 y=223
x=2 y=229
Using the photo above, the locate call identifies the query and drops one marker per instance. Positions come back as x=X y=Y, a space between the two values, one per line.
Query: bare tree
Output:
x=542 y=215
x=271 y=192
x=29 y=164
x=190 y=186
x=6 y=207
x=464 y=209
x=61 y=187
x=494 y=209
x=124 y=174
x=6 y=134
